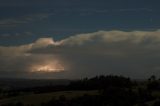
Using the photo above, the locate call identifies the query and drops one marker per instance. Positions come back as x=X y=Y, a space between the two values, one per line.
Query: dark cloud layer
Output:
x=135 y=54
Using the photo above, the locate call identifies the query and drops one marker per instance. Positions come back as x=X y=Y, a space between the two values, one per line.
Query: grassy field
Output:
x=37 y=99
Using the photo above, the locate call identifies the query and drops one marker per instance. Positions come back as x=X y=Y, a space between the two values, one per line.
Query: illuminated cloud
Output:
x=134 y=54
x=23 y=49
x=134 y=37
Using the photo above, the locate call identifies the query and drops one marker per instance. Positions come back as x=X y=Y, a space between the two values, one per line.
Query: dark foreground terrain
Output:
x=97 y=91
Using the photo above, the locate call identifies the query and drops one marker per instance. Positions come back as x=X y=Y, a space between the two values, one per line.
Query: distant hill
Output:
x=29 y=83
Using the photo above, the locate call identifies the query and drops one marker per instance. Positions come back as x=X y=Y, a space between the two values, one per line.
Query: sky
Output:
x=79 y=38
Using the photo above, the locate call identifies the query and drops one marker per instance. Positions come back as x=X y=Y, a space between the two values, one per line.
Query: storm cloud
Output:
x=135 y=54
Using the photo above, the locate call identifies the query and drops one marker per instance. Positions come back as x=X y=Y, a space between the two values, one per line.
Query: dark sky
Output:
x=86 y=37
x=63 y=18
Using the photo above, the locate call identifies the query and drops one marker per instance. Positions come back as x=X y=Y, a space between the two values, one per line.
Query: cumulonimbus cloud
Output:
x=135 y=37
x=134 y=53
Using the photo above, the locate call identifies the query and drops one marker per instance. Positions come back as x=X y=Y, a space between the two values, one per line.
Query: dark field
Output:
x=96 y=91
